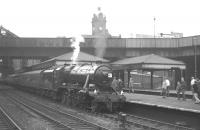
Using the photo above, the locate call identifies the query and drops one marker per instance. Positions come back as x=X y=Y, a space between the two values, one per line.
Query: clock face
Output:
x=100 y=28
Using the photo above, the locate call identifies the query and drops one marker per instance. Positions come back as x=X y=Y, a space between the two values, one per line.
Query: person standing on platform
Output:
x=196 y=92
x=120 y=84
x=131 y=84
x=164 y=89
x=191 y=84
x=115 y=84
x=178 y=90
x=181 y=86
x=198 y=86
x=167 y=86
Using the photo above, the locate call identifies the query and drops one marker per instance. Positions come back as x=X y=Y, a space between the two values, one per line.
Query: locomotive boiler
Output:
x=86 y=86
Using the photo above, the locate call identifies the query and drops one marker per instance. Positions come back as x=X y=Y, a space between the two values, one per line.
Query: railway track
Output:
x=153 y=124
x=61 y=120
x=6 y=122
x=132 y=120
x=145 y=123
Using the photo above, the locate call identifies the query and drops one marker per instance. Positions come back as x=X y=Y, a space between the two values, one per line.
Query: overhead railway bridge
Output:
x=184 y=49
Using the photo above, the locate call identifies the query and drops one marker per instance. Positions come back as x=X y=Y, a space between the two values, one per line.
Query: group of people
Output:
x=181 y=88
x=117 y=85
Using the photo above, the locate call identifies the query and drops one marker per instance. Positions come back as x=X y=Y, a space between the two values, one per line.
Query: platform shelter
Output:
x=149 y=63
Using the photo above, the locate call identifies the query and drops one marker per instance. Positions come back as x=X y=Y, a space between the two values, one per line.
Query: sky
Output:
x=66 y=18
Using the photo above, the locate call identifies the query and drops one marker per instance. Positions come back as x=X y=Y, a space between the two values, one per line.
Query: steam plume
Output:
x=100 y=46
x=76 y=47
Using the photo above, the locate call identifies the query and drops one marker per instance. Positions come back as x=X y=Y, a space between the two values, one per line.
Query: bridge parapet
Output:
x=34 y=42
x=151 y=43
x=145 y=42
x=109 y=42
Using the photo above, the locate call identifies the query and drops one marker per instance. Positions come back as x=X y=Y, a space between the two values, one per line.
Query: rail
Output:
x=144 y=123
x=153 y=124
x=72 y=121
x=6 y=122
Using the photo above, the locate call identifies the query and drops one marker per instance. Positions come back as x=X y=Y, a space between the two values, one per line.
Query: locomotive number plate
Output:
x=110 y=75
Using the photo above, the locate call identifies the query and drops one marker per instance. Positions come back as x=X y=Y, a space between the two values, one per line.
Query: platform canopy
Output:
x=66 y=59
x=148 y=62
x=82 y=57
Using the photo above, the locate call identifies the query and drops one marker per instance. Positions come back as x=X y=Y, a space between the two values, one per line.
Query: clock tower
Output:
x=99 y=24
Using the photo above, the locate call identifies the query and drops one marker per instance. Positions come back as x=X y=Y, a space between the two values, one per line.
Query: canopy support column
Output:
x=151 y=79
x=126 y=77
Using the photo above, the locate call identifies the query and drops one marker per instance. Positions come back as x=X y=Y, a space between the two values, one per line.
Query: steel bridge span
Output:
x=184 y=49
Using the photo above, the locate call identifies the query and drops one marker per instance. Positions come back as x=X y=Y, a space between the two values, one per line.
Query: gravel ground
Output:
x=33 y=122
x=25 y=118
x=84 y=115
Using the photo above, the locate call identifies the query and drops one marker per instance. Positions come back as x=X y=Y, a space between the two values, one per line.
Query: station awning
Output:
x=82 y=57
x=149 y=62
x=66 y=59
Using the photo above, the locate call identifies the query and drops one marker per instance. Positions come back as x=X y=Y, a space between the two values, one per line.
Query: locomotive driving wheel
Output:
x=63 y=98
x=54 y=96
x=94 y=107
x=109 y=105
x=68 y=98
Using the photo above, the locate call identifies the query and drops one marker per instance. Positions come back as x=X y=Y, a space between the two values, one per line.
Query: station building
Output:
x=17 y=52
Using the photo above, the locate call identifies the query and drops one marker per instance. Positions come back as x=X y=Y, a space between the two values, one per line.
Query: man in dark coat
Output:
x=196 y=92
x=183 y=87
x=115 y=84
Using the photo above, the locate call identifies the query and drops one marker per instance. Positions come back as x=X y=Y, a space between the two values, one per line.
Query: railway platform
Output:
x=169 y=102
x=157 y=92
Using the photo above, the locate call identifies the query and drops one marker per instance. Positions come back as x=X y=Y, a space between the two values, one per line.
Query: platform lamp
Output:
x=195 y=56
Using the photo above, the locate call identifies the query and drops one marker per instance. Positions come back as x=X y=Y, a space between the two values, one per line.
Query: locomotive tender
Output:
x=85 y=86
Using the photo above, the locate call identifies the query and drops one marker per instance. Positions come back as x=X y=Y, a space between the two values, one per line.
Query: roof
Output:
x=82 y=57
x=151 y=61
x=7 y=32
x=66 y=58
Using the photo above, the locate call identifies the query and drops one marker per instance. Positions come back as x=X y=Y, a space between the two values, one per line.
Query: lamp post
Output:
x=195 y=56
x=154 y=33
x=154 y=27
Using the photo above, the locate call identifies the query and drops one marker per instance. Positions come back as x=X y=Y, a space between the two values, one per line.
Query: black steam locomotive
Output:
x=86 y=85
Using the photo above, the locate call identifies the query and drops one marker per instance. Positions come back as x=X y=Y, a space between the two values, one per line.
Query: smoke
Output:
x=100 y=46
x=76 y=47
